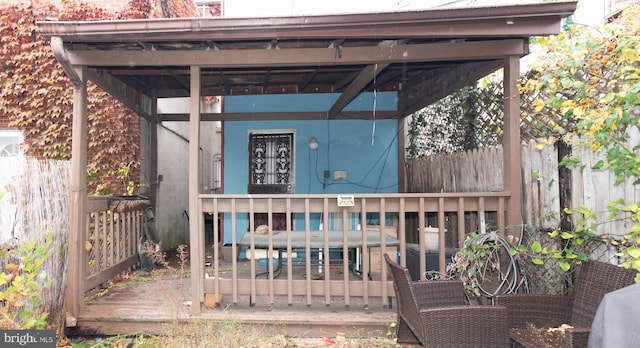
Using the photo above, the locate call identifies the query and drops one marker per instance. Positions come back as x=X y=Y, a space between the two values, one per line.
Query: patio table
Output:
x=317 y=242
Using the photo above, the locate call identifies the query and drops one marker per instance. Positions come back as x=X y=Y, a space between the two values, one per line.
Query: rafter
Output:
x=129 y=96
x=307 y=80
x=366 y=75
x=432 y=90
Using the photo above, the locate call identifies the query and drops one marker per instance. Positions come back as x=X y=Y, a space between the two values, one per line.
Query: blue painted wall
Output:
x=384 y=101
x=366 y=149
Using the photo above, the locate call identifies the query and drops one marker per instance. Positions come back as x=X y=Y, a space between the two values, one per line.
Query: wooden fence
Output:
x=111 y=240
x=545 y=184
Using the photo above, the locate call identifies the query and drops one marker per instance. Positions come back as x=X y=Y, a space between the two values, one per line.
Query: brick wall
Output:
x=110 y=5
x=4 y=121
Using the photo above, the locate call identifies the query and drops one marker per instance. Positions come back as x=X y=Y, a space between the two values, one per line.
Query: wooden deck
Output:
x=151 y=303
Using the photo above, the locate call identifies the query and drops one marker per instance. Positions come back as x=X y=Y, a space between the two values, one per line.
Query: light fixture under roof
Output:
x=313 y=143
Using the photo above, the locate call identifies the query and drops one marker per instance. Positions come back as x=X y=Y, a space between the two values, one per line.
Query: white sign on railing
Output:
x=346 y=201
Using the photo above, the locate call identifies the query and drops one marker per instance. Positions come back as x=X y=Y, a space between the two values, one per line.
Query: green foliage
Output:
x=558 y=253
x=591 y=78
x=21 y=284
x=478 y=261
x=587 y=83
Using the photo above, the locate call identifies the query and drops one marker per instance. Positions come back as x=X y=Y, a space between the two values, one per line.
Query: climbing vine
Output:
x=37 y=97
x=586 y=83
x=590 y=77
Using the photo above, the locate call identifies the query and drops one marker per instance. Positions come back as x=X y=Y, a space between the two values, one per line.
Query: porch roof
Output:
x=422 y=55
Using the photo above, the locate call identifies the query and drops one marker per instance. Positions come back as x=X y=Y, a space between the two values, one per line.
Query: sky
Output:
x=261 y=8
x=589 y=12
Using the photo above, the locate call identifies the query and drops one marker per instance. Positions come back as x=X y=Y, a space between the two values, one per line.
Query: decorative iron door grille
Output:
x=270 y=163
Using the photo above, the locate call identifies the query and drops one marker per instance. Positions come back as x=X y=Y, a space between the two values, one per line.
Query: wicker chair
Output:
x=435 y=314
x=531 y=315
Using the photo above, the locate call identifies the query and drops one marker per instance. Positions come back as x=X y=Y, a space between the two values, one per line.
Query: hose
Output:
x=510 y=281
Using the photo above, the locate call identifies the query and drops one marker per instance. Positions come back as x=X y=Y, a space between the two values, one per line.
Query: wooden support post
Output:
x=152 y=166
x=402 y=170
x=196 y=233
x=511 y=144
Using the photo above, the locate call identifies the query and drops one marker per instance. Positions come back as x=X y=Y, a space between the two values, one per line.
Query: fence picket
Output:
x=480 y=170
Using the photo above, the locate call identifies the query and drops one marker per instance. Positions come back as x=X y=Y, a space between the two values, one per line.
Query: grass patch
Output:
x=203 y=333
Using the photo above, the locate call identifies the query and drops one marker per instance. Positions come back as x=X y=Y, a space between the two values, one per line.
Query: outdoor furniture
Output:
x=435 y=314
x=531 y=315
x=316 y=241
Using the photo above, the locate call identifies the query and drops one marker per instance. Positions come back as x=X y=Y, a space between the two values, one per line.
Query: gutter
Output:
x=57 y=46
x=294 y=27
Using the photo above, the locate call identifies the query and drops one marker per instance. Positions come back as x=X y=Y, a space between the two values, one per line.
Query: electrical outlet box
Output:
x=339 y=175
x=326 y=174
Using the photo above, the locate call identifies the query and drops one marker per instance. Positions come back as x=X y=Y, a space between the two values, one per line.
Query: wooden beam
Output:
x=366 y=75
x=111 y=272
x=182 y=80
x=433 y=91
x=511 y=144
x=227 y=84
x=261 y=116
x=265 y=80
x=129 y=96
x=345 y=81
x=366 y=55
x=307 y=80
x=196 y=231
x=78 y=202
x=134 y=82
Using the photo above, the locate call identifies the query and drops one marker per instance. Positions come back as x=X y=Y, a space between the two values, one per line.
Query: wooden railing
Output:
x=410 y=213
x=111 y=240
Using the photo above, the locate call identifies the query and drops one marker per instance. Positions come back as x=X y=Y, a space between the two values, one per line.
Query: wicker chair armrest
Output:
x=576 y=337
x=439 y=293
x=466 y=326
x=539 y=310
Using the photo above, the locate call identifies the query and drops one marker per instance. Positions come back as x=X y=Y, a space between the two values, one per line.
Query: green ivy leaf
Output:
x=536 y=247
x=566 y=235
x=634 y=252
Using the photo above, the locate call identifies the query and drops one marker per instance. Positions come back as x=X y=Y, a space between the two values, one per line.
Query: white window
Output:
x=10 y=143
x=209 y=8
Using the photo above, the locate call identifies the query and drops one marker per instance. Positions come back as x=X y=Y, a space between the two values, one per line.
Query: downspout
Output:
x=57 y=46
x=78 y=184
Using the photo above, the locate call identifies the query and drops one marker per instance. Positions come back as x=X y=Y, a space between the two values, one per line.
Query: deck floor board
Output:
x=135 y=306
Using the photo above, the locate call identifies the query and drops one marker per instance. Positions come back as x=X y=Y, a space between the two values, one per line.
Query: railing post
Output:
x=237 y=207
